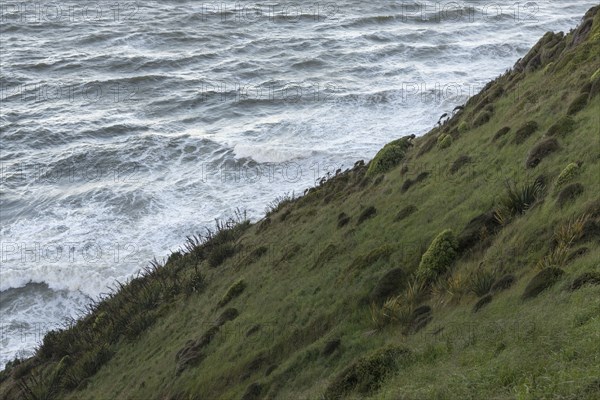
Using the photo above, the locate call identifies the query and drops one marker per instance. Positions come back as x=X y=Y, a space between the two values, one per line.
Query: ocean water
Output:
x=126 y=126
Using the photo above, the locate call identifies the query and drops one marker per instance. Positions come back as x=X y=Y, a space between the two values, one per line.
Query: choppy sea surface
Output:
x=126 y=126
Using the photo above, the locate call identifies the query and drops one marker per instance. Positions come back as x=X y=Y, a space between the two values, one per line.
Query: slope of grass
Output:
x=307 y=278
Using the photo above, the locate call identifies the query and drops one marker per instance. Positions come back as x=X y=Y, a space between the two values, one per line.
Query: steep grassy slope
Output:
x=460 y=265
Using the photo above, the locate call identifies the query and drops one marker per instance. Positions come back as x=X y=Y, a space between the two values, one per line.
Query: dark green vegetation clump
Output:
x=587 y=278
x=234 y=291
x=279 y=338
x=477 y=231
x=569 y=193
x=526 y=130
x=500 y=133
x=503 y=283
x=542 y=281
x=482 y=302
x=578 y=104
x=331 y=346
x=343 y=220
x=459 y=163
x=367 y=213
x=562 y=127
x=540 y=151
x=367 y=374
x=388 y=285
x=405 y=212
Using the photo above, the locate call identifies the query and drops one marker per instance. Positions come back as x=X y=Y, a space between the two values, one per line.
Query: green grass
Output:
x=307 y=278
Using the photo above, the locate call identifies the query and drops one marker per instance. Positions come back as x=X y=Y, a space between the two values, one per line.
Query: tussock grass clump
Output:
x=389 y=156
x=367 y=213
x=518 y=199
x=405 y=212
x=501 y=133
x=325 y=256
x=503 y=283
x=253 y=391
x=578 y=104
x=540 y=151
x=482 y=118
x=390 y=284
x=365 y=261
x=254 y=255
x=408 y=183
x=526 y=130
x=331 y=346
x=343 y=220
x=477 y=231
x=365 y=375
x=228 y=315
x=460 y=162
x=234 y=291
x=569 y=193
x=542 y=281
x=587 y=278
x=439 y=256
x=463 y=127
x=567 y=174
x=562 y=127
x=482 y=302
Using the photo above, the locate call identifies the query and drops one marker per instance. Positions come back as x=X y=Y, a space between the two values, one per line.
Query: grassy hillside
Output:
x=463 y=264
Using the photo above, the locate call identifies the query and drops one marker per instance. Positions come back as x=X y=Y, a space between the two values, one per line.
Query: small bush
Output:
x=563 y=126
x=542 y=281
x=482 y=118
x=578 y=104
x=463 y=127
x=569 y=193
x=234 y=291
x=482 y=302
x=367 y=213
x=503 y=283
x=365 y=375
x=541 y=151
x=444 y=141
x=405 y=212
x=567 y=174
x=390 y=284
x=587 y=278
x=460 y=162
x=389 y=156
x=525 y=131
x=220 y=253
x=501 y=133
x=439 y=256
